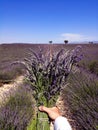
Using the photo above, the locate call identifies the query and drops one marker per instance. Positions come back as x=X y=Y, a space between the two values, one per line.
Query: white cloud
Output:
x=71 y=37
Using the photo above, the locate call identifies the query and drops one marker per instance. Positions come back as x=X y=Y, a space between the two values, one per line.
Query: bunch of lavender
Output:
x=47 y=75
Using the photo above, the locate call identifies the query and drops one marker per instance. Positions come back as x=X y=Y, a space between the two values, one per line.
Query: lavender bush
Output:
x=81 y=94
x=10 y=73
x=18 y=111
x=93 y=67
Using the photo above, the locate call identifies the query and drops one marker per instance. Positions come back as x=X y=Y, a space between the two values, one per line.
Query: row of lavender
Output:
x=17 y=112
x=81 y=97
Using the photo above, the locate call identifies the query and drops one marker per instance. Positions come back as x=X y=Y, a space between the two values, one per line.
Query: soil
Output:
x=8 y=89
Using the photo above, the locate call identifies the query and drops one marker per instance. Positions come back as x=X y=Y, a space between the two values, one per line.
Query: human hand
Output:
x=53 y=112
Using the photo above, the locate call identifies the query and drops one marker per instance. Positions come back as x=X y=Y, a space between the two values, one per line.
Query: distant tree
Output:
x=91 y=42
x=50 y=41
x=65 y=41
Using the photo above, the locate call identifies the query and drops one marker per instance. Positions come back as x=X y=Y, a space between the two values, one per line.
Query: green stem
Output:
x=42 y=121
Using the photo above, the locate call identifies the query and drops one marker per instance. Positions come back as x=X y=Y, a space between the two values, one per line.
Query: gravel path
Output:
x=8 y=89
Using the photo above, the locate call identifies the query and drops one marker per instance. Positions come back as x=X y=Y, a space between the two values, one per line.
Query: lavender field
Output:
x=13 y=52
x=80 y=94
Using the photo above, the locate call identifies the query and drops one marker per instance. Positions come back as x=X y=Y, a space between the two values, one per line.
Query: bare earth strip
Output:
x=8 y=89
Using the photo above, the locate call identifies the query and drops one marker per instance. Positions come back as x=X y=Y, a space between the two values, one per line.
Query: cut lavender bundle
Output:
x=47 y=76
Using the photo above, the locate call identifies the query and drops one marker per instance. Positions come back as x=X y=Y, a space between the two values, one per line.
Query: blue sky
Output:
x=38 y=21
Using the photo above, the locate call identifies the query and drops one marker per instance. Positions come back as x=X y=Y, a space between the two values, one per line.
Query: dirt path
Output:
x=7 y=89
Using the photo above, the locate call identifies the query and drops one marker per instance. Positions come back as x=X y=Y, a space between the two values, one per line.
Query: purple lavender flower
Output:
x=48 y=75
